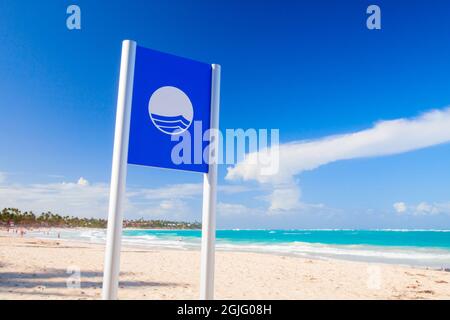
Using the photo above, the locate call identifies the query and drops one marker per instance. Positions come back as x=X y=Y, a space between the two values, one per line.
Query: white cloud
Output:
x=85 y=199
x=233 y=189
x=423 y=208
x=236 y=209
x=285 y=198
x=384 y=138
x=180 y=191
x=184 y=191
x=400 y=207
x=2 y=177
x=63 y=198
x=174 y=209
x=82 y=182
x=227 y=209
x=172 y=200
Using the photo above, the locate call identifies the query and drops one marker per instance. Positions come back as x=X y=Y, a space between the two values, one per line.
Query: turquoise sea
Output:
x=433 y=239
x=427 y=248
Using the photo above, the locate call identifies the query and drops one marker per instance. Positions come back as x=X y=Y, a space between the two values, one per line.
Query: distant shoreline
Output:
x=12 y=217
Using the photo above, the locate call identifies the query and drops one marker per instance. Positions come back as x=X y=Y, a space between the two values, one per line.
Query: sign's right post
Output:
x=210 y=196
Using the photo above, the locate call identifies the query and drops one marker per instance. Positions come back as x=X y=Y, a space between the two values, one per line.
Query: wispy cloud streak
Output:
x=383 y=139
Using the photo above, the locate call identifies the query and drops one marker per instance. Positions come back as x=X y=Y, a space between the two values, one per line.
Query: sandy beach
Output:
x=38 y=269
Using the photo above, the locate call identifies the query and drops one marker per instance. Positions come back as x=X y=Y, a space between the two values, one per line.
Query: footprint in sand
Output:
x=426 y=291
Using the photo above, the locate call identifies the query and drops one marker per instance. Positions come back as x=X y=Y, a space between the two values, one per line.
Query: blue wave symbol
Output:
x=171 y=124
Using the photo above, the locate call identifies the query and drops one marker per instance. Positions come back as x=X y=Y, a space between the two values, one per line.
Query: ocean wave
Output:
x=170 y=123
x=419 y=256
x=296 y=233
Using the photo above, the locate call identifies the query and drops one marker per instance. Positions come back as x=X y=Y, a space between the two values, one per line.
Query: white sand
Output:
x=36 y=269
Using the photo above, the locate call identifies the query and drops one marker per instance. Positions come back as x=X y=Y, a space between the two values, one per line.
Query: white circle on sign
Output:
x=170 y=110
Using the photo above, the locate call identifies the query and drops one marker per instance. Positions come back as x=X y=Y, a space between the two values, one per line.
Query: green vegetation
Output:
x=14 y=216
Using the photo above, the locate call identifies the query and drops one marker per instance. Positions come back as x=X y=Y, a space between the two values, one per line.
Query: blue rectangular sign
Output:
x=171 y=110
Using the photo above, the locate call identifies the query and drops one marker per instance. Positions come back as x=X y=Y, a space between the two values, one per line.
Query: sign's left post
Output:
x=119 y=172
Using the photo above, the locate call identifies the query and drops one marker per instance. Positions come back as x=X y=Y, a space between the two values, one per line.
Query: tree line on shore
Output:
x=15 y=217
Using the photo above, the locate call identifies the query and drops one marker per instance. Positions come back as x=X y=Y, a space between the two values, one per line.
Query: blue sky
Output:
x=310 y=68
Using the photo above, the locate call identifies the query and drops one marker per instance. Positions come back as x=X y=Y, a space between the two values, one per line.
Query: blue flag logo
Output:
x=171 y=110
x=170 y=94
